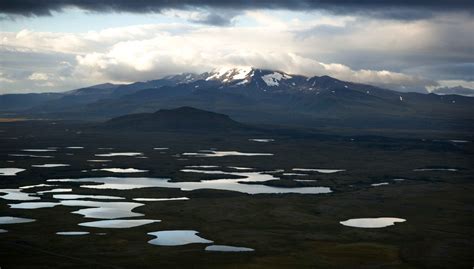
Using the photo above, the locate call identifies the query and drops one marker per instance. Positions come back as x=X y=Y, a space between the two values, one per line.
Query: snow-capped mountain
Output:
x=231 y=75
x=248 y=76
x=263 y=80
x=257 y=95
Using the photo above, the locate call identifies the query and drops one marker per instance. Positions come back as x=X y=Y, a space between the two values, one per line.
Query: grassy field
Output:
x=286 y=231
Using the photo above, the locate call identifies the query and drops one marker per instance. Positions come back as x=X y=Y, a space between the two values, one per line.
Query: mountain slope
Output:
x=17 y=102
x=268 y=96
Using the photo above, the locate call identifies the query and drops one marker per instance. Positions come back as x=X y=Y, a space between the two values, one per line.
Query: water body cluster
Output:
x=115 y=212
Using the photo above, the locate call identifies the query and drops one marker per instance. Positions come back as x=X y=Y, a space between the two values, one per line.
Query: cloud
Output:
x=394 y=9
x=25 y=70
x=5 y=78
x=39 y=76
x=456 y=83
x=452 y=71
x=149 y=59
x=454 y=90
x=217 y=17
x=399 y=55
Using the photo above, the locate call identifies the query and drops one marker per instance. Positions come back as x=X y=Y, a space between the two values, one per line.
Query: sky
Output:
x=419 y=45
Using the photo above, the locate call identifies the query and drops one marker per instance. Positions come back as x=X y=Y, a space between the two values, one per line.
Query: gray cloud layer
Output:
x=394 y=9
x=375 y=42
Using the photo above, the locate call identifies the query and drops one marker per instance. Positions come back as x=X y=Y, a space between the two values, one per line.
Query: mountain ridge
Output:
x=263 y=96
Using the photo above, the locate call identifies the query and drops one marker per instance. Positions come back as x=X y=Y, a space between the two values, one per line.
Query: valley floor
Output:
x=285 y=230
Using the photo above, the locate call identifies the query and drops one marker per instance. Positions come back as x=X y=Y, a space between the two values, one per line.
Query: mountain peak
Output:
x=242 y=75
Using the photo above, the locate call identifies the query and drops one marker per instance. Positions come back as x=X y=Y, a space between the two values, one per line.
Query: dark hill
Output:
x=183 y=118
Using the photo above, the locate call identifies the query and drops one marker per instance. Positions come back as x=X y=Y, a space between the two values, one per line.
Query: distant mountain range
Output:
x=256 y=96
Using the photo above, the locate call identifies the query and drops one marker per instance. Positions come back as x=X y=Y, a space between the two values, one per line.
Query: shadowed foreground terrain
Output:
x=286 y=230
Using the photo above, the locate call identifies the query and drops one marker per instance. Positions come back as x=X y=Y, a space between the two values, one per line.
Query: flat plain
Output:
x=429 y=185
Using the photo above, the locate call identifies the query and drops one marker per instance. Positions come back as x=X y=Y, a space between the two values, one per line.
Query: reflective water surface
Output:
x=118 y=223
x=121 y=170
x=114 y=154
x=213 y=153
x=177 y=238
x=262 y=140
x=103 y=210
x=14 y=220
x=33 y=205
x=371 y=222
x=17 y=194
x=160 y=199
x=323 y=171
x=224 y=248
x=72 y=233
x=10 y=171
x=85 y=196
x=128 y=183
x=379 y=184
x=50 y=165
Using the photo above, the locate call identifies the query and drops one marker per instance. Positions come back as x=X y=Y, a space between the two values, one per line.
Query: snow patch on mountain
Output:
x=242 y=73
x=274 y=78
x=229 y=74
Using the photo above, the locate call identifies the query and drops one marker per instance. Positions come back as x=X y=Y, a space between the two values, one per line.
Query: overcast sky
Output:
x=404 y=45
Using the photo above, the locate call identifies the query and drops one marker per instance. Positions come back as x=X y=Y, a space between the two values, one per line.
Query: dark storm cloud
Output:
x=221 y=17
x=394 y=9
